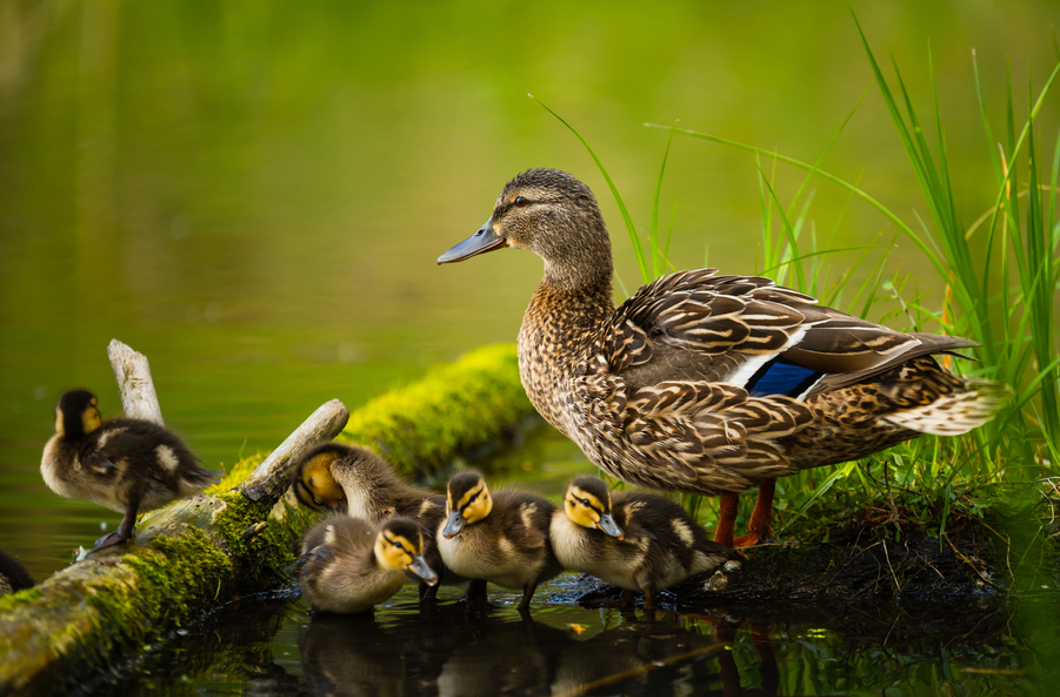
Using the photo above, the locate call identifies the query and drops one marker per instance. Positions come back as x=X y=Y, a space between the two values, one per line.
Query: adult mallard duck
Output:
x=349 y=566
x=352 y=478
x=126 y=465
x=634 y=540
x=705 y=383
x=500 y=537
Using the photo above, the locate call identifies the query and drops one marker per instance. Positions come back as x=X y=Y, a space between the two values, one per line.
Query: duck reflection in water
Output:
x=454 y=653
x=447 y=650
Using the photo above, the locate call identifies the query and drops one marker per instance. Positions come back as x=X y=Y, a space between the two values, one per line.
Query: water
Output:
x=273 y=645
x=253 y=194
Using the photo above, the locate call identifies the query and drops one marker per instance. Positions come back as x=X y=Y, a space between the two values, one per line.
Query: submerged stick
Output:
x=137 y=389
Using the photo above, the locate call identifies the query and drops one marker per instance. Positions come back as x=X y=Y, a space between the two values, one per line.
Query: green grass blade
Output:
x=633 y=236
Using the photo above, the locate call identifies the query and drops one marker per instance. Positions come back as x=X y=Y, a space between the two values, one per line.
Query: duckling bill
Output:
x=126 y=465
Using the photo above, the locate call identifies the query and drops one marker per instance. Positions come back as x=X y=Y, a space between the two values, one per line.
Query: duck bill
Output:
x=485 y=240
x=420 y=568
x=608 y=525
x=454 y=525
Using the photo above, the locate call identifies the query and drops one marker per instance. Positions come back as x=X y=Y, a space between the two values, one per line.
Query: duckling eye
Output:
x=585 y=502
x=520 y=201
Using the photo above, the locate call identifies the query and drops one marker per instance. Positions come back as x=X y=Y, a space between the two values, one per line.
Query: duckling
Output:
x=333 y=476
x=705 y=383
x=126 y=465
x=350 y=566
x=633 y=540
x=501 y=538
x=13 y=576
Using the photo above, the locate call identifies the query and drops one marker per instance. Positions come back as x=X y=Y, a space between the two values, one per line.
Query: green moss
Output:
x=13 y=600
x=420 y=428
x=235 y=476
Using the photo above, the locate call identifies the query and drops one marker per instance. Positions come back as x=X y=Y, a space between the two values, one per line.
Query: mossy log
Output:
x=199 y=554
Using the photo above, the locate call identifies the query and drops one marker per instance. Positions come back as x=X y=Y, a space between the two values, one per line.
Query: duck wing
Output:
x=749 y=332
x=699 y=376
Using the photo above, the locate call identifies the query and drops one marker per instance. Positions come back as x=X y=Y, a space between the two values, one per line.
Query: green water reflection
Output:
x=253 y=193
x=272 y=645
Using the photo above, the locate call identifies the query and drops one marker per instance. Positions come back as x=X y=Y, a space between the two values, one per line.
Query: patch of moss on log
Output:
x=421 y=428
x=197 y=554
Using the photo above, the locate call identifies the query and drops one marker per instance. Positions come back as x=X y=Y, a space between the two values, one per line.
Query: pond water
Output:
x=273 y=645
x=253 y=195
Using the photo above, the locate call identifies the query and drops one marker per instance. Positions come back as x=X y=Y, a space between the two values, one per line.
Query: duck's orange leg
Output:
x=758 y=529
x=728 y=506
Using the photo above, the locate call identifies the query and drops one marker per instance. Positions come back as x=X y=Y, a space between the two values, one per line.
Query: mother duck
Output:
x=704 y=383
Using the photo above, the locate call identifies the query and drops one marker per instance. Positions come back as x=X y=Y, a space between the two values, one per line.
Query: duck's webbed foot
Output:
x=125 y=529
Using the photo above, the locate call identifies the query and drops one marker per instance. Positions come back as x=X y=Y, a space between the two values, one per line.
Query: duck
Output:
x=126 y=465
x=13 y=576
x=706 y=383
x=349 y=566
x=635 y=540
x=354 y=479
x=498 y=537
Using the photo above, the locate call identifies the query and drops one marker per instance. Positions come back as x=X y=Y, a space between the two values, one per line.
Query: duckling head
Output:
x=315 y=485
x=467 y=501
x=76 y=414
x=399 y=547
x=555 y=216
x=588 y=503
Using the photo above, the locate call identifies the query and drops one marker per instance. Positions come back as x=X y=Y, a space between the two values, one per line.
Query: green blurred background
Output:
x=253 y=193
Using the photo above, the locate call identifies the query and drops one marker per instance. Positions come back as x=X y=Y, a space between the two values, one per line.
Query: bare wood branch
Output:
x=137 y=389
x=273 y=476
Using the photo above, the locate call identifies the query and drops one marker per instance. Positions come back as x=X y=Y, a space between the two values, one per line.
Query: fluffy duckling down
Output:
x=633 y=540
x=13 y=576
x=350 y=566
x=353 y=478
x=126 y=465
x=500 y=537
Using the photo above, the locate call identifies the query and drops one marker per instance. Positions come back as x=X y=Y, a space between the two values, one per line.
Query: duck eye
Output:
x=520 y=201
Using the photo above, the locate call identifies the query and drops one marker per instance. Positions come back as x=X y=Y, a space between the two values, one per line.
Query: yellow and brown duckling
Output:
x=705 y=383
x=353 y=478
x=126 y=465
x=634 y=540
x=13 y=576
x=498 y=537
x=350 y=566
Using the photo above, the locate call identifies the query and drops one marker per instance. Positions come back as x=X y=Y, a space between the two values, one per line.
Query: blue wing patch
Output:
x=781 y=376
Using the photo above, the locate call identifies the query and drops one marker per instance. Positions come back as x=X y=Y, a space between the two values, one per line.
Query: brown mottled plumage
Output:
x=633 y=540
x=353 y=478
x=126 y=465
x=500 y=537
x=350 y=566
x=704 y=383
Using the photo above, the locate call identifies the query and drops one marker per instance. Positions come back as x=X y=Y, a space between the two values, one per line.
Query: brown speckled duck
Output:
x=353 y=478
x=500 y=537
x=126 y=465
x=705 y=383
x=634 y=540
